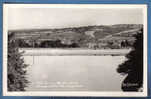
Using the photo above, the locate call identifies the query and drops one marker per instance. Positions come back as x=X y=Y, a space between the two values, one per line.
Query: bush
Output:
x=133 y=67
x=16 y=68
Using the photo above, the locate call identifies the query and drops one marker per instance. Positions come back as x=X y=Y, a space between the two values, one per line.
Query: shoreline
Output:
x=74 y=52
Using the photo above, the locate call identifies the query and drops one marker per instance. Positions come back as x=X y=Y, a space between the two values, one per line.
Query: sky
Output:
x=40 y=18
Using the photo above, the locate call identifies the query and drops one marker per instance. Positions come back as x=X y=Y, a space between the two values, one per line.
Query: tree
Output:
x=133 y=66
x=16 y=68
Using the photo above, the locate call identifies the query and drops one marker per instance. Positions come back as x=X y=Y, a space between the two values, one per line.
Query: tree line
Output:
x=45 y=44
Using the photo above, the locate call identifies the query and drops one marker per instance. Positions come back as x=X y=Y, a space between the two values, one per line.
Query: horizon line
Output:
x=21 y=29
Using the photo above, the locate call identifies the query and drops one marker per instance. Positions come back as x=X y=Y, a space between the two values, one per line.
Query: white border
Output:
x=72 y=93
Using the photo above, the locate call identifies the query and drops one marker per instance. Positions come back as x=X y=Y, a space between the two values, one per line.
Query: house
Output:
x=92 y=45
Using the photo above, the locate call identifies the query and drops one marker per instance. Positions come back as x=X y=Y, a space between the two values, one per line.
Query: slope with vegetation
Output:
x=83 y=37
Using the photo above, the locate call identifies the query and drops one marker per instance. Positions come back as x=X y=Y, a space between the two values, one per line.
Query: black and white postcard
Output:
x=75 y=50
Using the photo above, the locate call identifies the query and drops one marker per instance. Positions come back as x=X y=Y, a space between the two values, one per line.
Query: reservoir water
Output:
x=73 y=73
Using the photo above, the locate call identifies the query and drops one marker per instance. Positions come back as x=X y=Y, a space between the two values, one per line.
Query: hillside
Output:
x=81 y=35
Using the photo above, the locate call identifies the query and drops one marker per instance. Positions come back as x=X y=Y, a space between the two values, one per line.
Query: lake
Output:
x=73 y=73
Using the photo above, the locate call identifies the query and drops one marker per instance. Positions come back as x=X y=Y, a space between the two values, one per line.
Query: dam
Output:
x=75 y=52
